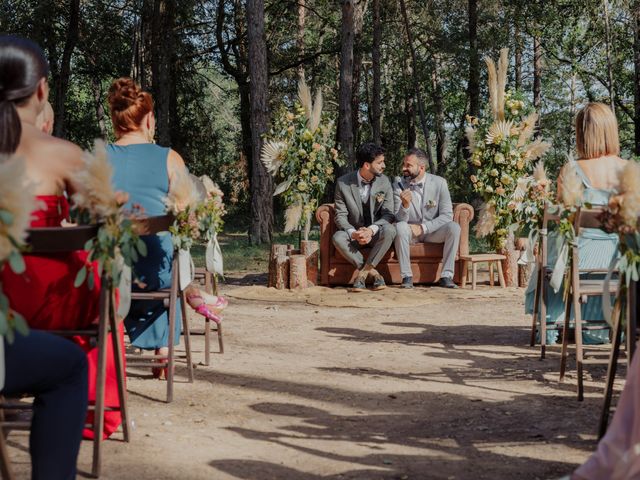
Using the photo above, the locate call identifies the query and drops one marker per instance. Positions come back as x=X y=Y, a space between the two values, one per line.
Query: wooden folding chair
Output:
x=210 y=286
x=542 y=282
x=632 y=320
x=579 y=292
x=153 y=226
x=6 y=472
x=68 y=239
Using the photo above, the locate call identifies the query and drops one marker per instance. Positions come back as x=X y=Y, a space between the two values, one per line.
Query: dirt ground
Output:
x=448 y=389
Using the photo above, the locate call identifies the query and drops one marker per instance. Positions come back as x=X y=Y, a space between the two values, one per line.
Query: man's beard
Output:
x=409 y=176
x=377 y=174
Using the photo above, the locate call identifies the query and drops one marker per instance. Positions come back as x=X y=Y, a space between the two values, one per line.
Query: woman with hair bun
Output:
x=44 y=294
x=145 y=171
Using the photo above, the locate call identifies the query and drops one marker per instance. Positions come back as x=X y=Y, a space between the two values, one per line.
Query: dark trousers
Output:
x=54 y=370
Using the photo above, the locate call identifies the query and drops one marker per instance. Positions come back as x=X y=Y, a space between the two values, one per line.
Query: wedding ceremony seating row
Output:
x=67 y=239
x=426 y=258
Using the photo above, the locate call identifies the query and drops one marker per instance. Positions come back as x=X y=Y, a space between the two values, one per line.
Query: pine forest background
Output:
x=400 y=72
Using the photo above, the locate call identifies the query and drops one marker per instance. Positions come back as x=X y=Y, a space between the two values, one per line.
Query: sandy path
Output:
x=446 y=390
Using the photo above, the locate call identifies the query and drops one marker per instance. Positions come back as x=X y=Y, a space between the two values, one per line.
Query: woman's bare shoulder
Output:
x=62 y=151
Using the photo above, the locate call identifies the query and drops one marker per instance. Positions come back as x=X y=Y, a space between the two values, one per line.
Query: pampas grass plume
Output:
x=292 y=216
x=18 y=199
x=572 y=187
x=486 y=220
x=629 y=178
x=183 y=193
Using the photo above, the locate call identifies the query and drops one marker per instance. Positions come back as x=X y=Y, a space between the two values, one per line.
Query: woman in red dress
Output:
x=45 y=294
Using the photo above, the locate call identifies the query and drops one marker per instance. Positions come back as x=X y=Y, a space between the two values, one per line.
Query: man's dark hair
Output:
x=367 y=152
x=420 y=154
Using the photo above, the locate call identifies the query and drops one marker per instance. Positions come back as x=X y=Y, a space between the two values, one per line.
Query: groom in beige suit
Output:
x=364 y=215
x=424 y=213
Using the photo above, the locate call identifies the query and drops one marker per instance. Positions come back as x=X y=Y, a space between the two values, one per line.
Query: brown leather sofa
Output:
x=426 y=258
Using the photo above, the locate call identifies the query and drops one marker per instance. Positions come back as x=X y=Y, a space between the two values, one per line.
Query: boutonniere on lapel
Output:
x=431 y=203
x=380 y=196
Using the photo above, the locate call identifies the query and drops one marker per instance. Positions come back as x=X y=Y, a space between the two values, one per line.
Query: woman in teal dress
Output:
x=598 y=166
x=144 y=170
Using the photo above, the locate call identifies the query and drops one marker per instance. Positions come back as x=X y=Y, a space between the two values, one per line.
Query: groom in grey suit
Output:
x=364 y=215
x=424 y=213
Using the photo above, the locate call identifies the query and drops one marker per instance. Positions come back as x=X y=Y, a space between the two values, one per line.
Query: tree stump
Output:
x=311 y=250
x=297 y=271
x=277 y=249
x=510 y=264
x=281 y=272
x=524 y=270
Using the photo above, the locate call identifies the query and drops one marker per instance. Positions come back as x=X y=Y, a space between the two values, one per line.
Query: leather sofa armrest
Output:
x=463 y=214
x=325 y=216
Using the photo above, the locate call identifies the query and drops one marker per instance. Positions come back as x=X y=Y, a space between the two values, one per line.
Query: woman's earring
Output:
x=151 y=136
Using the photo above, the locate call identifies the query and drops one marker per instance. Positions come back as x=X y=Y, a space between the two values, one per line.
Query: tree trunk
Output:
x=537 y=74
x=96 y=87
x=518 y=54
x=473 y=87
x=311 y=251
x=61 y=83
x=162 y=58
x=441 y=150
x=261 y=182
x=416 y=86
x=375 y=57
x=410 y=112
x=281 y=273
x=636 y=69
x=302 y=10
x=609 y=48
x=358 y=20
x=345 y=119
x=297 y=272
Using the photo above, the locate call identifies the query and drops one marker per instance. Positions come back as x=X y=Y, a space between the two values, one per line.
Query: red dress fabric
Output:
x=45 y=296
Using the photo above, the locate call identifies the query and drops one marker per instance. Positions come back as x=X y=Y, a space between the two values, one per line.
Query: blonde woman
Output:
x=597 y=166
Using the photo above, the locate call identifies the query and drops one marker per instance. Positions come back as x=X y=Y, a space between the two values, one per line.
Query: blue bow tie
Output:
x=416 y=186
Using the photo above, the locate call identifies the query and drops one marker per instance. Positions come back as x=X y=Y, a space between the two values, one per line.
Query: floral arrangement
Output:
x=96 y=202
x=299 y=155
x=210 y=212
x=621 y=216
x=182 y=201
x=502 y=152
x=16 y=204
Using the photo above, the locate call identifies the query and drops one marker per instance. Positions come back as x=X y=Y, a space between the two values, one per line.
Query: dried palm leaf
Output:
x=272 y=155
x=284 y=186
x=498 y=131
x=292 y=216
x=522 y=186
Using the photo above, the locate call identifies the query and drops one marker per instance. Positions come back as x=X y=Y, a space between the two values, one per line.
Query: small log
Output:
x=311 y=250
x=297 y=271
x=510 y=264
x=281 y=272
x=524 y=274
x=276 y=249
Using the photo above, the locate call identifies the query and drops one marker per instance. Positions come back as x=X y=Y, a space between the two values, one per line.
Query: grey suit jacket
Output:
x=349 y=204
x=437 y=208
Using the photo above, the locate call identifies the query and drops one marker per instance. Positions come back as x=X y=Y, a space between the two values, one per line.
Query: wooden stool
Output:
x=493 y=259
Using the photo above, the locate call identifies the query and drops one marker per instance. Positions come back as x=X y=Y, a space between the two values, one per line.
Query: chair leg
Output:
x=536 y=307
x=187 y=335
x=172 y=324
x=611 y=374
x=565 y=337
x=491 y=274
x=543 y=317
x=5 y=465
x=474 y=275
x=120 y=371
x=465 y=272
x=98 y=413
x=577 y=313
x=503 y=284
x=220 y=342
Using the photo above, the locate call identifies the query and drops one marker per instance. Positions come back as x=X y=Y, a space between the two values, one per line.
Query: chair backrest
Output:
x=59 y=239
x=153 y=225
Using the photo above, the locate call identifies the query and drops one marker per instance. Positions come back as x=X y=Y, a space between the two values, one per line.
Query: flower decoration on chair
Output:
x=210 y=212
x=299 y=155
x=502 y=152
x=16 y=204
x=97 y=203
x=182 y=201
